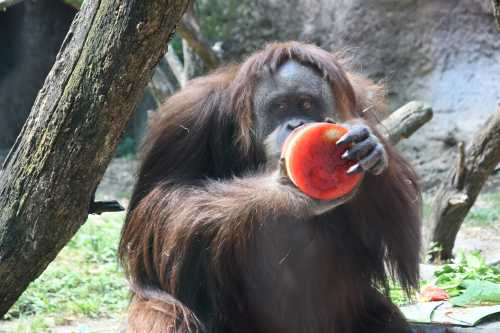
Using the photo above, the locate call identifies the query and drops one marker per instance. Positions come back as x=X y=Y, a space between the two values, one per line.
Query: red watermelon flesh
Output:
x=432 y=294
x=313 y=161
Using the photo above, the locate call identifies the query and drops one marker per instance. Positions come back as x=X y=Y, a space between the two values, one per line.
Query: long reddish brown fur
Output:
x=196 y=237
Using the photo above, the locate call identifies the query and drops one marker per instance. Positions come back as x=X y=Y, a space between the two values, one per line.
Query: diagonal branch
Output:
x=161 y=86
x=189 y=29
x=176 y=65
x=403 y=122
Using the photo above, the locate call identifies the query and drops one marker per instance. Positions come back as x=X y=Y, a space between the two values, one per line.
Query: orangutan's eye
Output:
x=282 y=106
x=306 y=104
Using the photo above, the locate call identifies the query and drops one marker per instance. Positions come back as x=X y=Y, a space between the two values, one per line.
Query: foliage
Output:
x=487 y=214
x=36 y=324
x=84 y=280
x=74 y=3
x=127 y=147
x=234 y=22
x=397 y=294
x=216 y=16
x=176 y=44
x=470 y=266
x=467 y=280
x=478 y=292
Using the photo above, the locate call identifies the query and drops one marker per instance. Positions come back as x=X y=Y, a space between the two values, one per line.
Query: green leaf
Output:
x=478 y=292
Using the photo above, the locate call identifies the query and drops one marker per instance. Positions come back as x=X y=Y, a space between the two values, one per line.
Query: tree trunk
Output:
x=459 y=192
x=78 y=117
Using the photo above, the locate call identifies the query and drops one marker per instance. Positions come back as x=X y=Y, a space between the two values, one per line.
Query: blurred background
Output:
x=445 y=53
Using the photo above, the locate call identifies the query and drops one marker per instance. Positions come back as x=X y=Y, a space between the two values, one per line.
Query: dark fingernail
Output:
x=342 y=140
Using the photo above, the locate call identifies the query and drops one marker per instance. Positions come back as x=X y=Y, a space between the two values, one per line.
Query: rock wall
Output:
x=31 y=34
x=444 y=52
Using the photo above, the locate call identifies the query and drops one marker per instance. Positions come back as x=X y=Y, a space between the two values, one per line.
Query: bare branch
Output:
x=496 y=11
x=189 y=61
x=176 y=65
x=403 y=122
x=160 y=86
x=189 y=29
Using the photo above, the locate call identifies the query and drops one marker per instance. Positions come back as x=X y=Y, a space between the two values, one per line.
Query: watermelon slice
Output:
x=313 y=162
x=432 y=294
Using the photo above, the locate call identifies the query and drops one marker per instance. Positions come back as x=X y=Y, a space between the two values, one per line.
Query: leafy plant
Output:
x=467 y=266
x=397 y=294
x=84 y=280
x=467 y=280
x=478 y=292
x=482 y=216
x=126 y=147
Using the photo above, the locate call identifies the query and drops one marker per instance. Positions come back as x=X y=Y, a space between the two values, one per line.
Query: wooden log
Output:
x=82 y=110
x=458 y=193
